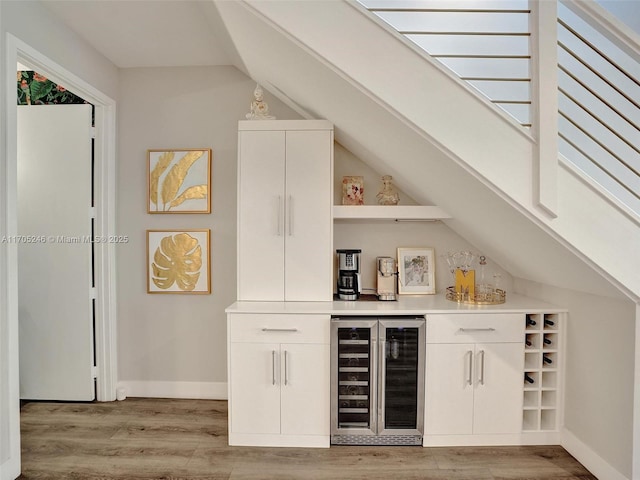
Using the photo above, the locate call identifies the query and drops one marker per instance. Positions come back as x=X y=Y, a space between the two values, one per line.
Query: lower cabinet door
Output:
x=255 y=388
x=305 y=387
x=449 y=389
x=498 y=391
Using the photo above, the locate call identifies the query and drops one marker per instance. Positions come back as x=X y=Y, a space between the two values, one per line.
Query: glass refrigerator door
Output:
x=402 y=376
x=356 y=376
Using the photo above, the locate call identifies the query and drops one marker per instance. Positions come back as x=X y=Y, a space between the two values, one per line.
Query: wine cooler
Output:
x=377 y=380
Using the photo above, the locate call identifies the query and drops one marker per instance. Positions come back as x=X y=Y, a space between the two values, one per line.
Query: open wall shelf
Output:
x=389 y=212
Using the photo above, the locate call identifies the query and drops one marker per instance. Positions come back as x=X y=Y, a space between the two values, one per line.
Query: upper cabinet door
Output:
x=308 y=237
x=261 y=220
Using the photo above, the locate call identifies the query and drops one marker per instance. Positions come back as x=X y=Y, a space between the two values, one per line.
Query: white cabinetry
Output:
x=474 y=371
x=542 y=393
x=285 y=177
x=279 y=380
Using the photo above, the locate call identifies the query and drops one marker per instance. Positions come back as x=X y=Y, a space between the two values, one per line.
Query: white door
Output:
x=498 y=393
x=255 y=388
x=305 y=400
x=261 y=215
x=309 y=259
x=449 y=389
x=54 y=252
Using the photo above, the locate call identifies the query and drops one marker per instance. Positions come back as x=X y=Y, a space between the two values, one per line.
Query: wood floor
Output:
x=140 y=439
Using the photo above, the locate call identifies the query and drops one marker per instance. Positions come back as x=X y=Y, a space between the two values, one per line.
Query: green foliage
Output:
x=34 y=89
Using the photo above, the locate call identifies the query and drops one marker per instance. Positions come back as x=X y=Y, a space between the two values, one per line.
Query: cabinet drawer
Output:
x=275 y=328
x=475 y=327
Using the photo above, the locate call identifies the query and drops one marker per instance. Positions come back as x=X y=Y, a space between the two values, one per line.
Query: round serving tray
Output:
x=495 y=297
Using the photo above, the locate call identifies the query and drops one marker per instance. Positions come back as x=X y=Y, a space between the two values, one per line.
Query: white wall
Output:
x=174 y=345
x=600 y=359
x=382 y=238
x=34 y=24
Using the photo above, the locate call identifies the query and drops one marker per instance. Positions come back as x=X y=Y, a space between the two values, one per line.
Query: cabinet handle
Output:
x=286 y=373
x=267 y=329
x=273 y=367
x=470 y=375
x=487 y=329
x=481 y=379
x=290 y=209
x=279 y=215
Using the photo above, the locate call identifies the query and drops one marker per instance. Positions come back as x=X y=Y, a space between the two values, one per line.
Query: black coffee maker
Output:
x=349 y=274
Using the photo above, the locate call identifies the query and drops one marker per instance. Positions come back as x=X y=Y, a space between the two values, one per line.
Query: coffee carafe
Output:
x=386 y=279
x=349 y=286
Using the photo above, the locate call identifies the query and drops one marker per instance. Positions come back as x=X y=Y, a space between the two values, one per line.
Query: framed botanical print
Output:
x=416 y=271
x=179 y=181
x=178 y=261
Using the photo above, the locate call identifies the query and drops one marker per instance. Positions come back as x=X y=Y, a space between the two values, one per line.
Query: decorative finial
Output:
x=259 y=110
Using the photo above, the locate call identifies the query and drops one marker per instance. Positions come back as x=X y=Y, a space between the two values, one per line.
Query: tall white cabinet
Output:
x=285 y=235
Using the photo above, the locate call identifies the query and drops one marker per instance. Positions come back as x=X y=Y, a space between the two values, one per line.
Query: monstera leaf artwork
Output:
x=179 y=181
x=178 y=261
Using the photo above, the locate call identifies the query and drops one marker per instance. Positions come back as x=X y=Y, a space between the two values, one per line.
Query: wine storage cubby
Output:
x=541 y=380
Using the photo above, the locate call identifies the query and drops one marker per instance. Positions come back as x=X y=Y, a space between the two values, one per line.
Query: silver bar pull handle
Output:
x=286 y=373
x=279 y=215
x=267 y=329
x=470 y=374
x=487 y=329
x=481 y=379
x=290 y=208
x=273 y=367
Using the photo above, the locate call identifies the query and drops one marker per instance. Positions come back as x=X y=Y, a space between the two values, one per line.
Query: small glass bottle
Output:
x=388 y=194
x=395 y=348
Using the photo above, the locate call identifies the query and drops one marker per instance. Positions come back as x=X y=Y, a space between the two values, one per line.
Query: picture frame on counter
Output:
x=416 y=271
x=178 y=261
x=179 y=180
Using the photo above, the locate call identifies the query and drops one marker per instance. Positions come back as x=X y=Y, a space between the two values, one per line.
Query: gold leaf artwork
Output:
x=163 y=162
x=166 y=189
x=191 y=193
x=177 y=260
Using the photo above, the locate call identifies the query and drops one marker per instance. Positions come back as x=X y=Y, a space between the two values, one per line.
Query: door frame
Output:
x=105 y=264
x=104 y=194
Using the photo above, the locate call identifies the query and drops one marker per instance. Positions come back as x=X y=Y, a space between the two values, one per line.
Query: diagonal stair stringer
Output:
x=405 y=115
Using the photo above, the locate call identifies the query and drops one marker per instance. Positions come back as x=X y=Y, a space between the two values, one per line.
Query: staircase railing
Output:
x=500 y=46
x=485 y=43
x=598 y=105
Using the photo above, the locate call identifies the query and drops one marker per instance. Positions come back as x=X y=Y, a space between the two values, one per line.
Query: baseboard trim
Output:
x=593 y=462
x=193 y=390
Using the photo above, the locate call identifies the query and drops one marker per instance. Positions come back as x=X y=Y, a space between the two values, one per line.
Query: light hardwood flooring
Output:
x=165 y=439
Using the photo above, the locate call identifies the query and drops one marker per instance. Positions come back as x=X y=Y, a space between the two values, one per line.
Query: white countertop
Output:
x=405 y=305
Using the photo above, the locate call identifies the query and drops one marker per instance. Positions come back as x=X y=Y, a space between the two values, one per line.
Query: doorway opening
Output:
x=56 y=254
x=103 y=208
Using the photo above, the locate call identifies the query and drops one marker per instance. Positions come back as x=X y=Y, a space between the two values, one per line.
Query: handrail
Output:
x=597 y=90
x=608 y=25
x=598 y=51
